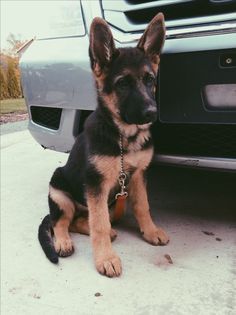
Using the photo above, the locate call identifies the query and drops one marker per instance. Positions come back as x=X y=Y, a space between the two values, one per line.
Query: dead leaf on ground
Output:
x=208 y=233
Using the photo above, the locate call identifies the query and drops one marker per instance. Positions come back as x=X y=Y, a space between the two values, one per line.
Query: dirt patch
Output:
x=97 y=294
x=168 y=258
x=164 y=261
x=208 y=233
x=13 y=117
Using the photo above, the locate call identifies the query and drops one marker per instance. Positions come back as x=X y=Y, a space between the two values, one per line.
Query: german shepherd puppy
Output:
x=81 y=191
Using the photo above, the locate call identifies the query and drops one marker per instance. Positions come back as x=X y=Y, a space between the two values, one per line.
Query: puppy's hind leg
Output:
x=81 y=225
x=62 y=210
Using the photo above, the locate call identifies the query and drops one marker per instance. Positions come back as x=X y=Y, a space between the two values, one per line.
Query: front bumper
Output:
x=196 y=162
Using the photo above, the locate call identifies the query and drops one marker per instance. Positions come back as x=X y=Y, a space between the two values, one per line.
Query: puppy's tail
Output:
x=46 y=241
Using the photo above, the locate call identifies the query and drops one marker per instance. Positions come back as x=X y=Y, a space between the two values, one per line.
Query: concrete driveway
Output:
x=197 y=208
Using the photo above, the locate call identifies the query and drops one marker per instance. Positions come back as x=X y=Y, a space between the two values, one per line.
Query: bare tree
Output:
x=15 y=42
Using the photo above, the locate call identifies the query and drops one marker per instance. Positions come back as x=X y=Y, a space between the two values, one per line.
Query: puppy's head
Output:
x=126 y=77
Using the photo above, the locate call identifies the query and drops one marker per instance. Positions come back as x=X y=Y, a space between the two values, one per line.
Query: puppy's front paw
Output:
x=156 y=236
x=64 y=247
x=109 y=265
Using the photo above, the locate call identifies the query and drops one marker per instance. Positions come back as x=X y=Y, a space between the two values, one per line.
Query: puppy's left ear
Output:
x=153 y=38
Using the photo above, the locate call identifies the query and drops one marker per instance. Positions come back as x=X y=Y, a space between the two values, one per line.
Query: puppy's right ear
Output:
x=101 y=47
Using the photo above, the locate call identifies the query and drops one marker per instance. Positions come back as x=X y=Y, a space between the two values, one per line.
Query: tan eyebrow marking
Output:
x=118 y=78
x=122 y=75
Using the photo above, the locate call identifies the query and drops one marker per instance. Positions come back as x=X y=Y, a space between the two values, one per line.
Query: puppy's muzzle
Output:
x=150 y=114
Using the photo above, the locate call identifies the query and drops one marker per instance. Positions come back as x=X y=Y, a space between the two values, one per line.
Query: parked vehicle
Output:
x=196 y=83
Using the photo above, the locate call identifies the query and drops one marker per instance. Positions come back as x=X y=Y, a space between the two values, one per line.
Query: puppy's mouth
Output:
x=141 y=121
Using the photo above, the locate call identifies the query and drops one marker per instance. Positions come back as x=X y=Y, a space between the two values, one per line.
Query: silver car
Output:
x=197 y=78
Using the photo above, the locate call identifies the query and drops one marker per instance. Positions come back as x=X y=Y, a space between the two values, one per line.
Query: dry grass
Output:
x=13 y=106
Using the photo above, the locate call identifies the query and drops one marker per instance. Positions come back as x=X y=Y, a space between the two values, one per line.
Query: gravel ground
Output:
x=13 y=122
x=13 y=117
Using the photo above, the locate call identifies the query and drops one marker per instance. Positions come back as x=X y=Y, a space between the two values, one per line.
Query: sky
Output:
x=14 y=19
x=30 y=18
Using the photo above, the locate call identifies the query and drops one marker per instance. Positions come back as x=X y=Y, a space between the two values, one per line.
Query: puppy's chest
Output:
x=137 y=159
x=110 y=166
x=138 y=151
x=137 y=154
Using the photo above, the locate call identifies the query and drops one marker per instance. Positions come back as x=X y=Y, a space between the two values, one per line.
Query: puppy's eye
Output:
x=149 y=79
x=122 y=83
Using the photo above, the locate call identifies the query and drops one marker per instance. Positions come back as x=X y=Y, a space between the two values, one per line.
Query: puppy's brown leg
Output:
x=62 y=211
x=81 y=225
x=106 y=260
x=139 y=202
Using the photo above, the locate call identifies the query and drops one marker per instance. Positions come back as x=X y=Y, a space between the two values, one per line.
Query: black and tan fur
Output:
x=80 y=192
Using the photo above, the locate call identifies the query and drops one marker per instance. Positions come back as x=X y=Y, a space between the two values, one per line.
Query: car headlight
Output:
x=54 y=19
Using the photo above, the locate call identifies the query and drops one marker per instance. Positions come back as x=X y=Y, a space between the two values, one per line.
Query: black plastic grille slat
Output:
x=198 y=140
x=184 y=10
x=46 y=116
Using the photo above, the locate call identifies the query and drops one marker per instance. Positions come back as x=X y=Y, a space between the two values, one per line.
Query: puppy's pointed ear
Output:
x=102 y=46
x=153 y=38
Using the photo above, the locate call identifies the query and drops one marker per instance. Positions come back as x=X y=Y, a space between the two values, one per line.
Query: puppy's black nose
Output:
x=150 y=114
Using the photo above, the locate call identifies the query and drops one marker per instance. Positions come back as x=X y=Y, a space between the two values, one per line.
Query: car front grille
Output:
x=131 y=16
x=46 y=116
x=190 y=139
x=195 y=140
